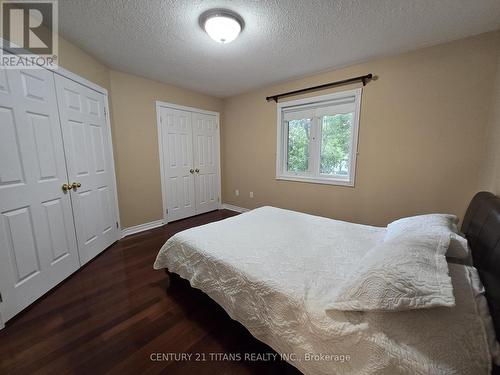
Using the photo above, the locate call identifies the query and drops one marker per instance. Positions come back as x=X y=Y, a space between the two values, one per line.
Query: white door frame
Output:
x=91 y=85
x=162 y=151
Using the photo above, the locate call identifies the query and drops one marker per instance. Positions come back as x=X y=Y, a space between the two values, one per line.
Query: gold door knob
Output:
x=197 y=170
x=66 y=187
x=75 y=185
x=191 y=171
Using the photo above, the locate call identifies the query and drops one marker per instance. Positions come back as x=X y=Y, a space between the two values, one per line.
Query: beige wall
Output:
x=421 y=137
x=136 y=141
x=80 y=62
x=490 y=176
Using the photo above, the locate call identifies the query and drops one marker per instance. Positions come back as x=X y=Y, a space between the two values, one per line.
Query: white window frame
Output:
x=282 y=141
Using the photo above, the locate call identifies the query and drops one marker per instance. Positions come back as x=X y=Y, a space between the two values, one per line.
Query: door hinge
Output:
x=105 y=113
x=166 y=211
x=117 y=224
x=1 y=299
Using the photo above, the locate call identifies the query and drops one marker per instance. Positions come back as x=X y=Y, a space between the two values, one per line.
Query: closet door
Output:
x=176 y=147
x=90 y=168
x=206 y=162
x=37 y=238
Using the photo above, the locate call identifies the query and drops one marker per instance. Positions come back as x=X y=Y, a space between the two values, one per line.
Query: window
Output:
x=317 y=138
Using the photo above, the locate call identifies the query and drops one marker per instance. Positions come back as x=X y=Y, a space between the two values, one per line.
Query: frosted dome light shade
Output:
x=222 y=28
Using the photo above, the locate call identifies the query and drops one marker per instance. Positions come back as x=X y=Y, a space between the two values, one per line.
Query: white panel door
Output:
x=206 y=162
x=89 y=163
x=177 y=161
x=37 y=238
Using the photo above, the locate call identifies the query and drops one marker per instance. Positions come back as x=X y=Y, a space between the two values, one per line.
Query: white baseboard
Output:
x=158 y=223
x=141 y=227
x=226 y=206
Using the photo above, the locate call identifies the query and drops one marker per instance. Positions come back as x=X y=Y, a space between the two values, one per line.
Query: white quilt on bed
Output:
x=275 y=270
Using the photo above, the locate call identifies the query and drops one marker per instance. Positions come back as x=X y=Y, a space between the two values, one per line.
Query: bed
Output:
x=283 y=300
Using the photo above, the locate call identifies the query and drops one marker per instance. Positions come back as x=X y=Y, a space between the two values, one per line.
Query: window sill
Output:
x=316 y=180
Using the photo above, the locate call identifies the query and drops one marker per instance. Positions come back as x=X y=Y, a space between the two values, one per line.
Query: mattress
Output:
x=275 y=271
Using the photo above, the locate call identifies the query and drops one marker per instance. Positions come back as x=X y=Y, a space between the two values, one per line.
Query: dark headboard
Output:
x=481 y=226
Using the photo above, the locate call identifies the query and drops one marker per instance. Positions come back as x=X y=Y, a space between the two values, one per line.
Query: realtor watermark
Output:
x=29 y=32
x=248 y=357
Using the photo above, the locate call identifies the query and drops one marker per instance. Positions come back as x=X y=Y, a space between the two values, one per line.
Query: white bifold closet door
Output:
x=37 y=235
x=89 y=163
x=205 y=153
x=177 y=146
x=53 y=134
x=189 y=147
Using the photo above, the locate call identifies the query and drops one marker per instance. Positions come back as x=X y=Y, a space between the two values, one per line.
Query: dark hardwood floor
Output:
x=116 y=312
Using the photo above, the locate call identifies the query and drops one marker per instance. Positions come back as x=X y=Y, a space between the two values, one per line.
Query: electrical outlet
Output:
x=251 y=194
x=237 y=192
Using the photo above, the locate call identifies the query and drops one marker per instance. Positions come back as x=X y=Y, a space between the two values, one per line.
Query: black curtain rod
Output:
x=363 y=79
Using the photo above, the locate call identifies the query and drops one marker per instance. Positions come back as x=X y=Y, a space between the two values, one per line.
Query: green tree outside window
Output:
x=336 y=134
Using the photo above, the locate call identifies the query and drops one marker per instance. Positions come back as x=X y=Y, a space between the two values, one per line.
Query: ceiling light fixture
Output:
x=221 y=25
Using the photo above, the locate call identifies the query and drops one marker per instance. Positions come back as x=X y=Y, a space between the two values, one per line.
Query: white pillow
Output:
x=459 y=247
x=484 y=312
x=403 y=273
x=432 y=223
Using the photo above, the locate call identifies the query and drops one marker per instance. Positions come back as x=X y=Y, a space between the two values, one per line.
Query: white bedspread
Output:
x=274 y=271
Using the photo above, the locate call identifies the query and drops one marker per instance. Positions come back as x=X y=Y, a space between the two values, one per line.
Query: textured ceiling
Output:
x=282 y=39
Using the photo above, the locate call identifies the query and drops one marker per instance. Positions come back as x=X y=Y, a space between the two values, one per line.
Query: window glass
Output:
x=299 y=136
x=336 y=135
